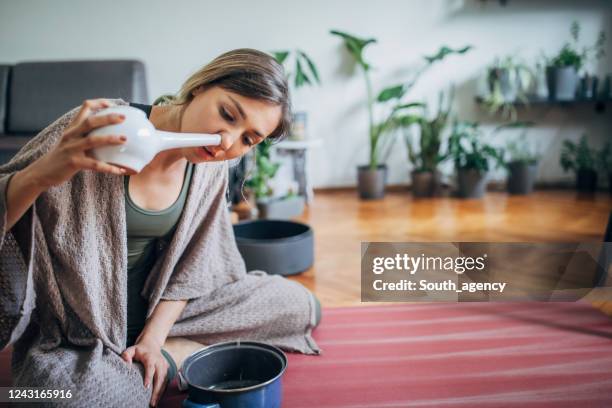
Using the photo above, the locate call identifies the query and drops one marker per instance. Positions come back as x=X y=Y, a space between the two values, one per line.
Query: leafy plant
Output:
x=508 y=82
x=571 y=56
x=265 y=169
x=468 y=151
x=424 y=154
x=381 y=133
x=578 y=156
x=305 y=71
x=520 y=149
x=403 y=114
x=605 y=158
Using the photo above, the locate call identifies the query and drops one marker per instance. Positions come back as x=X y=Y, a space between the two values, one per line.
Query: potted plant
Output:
x=605 y=157
x=508 y=81
x=424 y=152
x=259 y=184
x=304 y=73
x=562 y=73
x=582 y=159
x=522 y=159
x=371 y=178
x=471 y=157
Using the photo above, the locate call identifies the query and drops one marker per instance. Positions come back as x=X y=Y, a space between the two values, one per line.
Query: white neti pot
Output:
x=143 y=140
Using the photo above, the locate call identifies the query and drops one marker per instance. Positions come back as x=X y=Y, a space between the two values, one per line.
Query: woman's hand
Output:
x=148 y=353
x=73 y=152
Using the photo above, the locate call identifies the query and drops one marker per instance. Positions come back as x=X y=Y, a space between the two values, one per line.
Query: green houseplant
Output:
x=372 y=177
x=472 y=158
x=264 y=170
x=508 y=81
x=424 y=152
x=605 y=158
x=304 y=73
x=582 y=160
x=521 y=159
x=562 y=73
x=259 y=184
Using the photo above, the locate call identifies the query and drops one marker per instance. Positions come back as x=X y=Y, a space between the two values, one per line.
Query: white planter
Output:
x=281 y=208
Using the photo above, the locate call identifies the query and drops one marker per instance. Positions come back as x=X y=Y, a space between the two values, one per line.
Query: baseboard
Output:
x=498 y=186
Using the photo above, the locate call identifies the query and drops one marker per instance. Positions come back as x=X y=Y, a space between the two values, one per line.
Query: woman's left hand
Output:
x=148 y=353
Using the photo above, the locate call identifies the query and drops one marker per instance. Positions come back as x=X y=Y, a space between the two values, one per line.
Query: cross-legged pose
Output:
x=109 y=279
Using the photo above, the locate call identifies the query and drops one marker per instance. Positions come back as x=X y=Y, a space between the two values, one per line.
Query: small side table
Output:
x=298 y=150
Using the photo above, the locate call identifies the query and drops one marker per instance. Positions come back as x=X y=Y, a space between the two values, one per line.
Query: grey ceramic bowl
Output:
x=275 y=246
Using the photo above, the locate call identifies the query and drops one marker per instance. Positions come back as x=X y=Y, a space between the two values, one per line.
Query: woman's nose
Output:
x=227 y=140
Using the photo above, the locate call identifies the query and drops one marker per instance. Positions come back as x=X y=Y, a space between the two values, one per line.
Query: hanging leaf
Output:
x=407 y=120
x=300 y=76
x=409 y=105
x=311 y=66
x=355 y=46
x=280 y=56
x=392 y=92
x=444 y=51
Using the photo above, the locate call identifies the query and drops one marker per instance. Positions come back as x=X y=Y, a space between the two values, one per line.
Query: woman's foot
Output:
x=180 y=348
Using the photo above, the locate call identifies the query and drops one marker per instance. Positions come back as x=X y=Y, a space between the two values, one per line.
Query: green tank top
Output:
x=144 y=227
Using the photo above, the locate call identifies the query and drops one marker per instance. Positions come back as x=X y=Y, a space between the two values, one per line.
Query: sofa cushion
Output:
x=40 y=92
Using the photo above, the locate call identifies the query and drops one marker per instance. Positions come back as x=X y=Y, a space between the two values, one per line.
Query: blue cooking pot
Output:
x=234 y=375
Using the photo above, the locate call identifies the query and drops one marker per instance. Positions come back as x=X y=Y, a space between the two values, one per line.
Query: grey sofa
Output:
x=34 y=94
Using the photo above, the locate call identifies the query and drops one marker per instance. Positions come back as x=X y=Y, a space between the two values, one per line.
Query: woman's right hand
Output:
x=73 y=152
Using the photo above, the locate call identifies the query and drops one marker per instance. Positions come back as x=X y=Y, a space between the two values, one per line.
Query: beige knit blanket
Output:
x=63 y=282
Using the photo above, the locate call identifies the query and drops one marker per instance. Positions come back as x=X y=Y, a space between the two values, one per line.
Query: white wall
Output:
x=174 y=38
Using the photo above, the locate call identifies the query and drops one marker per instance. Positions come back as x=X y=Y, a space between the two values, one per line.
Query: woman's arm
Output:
x=68 y=157
x=147 y=349
x=159 y=324
x=51 y=157
x=23 y=189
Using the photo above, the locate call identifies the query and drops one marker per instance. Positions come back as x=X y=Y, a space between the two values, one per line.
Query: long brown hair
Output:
x=246 y=72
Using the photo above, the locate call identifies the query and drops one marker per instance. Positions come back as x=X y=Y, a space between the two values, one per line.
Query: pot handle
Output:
x=190 y=404
x=182 y=383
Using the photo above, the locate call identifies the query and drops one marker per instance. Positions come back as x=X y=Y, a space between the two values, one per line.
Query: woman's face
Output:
x=242 y=123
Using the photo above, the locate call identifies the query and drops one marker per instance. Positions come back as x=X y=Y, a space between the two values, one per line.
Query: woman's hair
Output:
x=246 y=72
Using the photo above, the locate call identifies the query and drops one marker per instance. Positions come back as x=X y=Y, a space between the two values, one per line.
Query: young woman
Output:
x=100 y=268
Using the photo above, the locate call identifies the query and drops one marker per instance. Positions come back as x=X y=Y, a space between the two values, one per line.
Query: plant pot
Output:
x=562 y=83
x=606 y=91
x=274 y=246
x=521 y=177
x=299 y=126
x=371 y=183
x=425 y=183
x=281 y=208
x=586 y=180
x=508 y=86
x=472 y=183
x=588 y=87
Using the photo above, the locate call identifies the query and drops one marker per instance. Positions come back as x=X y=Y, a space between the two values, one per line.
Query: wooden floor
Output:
x=341 y=221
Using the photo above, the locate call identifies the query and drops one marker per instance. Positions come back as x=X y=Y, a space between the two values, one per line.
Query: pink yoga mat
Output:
x=453 y=355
